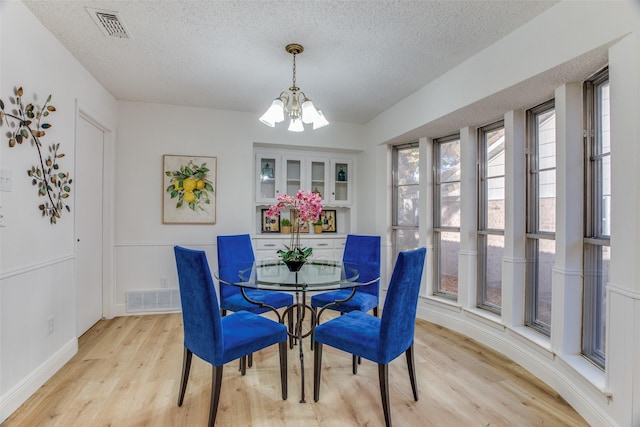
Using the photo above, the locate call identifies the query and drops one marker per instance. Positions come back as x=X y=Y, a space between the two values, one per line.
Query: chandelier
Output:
x=296 y=105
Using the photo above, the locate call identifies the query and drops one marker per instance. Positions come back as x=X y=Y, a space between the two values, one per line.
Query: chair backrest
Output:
x=200 y=311
x=234 y=252
x=400 y=306
x=364 y=253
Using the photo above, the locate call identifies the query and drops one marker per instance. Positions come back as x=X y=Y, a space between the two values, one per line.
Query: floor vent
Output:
x=153 y=300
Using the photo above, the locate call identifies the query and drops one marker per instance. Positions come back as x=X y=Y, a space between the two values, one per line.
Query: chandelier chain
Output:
x=294 y=70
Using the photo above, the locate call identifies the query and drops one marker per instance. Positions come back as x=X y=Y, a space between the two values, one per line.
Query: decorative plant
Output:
x=190 y=185
x=318 y=223
x=306 y=206
x=27 y=123
x=285 y=222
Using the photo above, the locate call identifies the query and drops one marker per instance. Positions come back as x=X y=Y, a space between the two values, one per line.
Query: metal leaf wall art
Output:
x=28 y=123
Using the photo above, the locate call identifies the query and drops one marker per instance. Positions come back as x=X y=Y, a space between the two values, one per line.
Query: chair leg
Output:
x=412 y=371
x=282 y=347
x=314 y=316
x=317 y=366
x=290 y=327
x=375 y=311
x=354 y=363
x=243 y=365
x=216 y=383
x=383 y=375
x=186 y=367
x=250 y=360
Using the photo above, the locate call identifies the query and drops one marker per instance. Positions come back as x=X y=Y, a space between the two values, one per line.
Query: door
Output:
x=88 y=223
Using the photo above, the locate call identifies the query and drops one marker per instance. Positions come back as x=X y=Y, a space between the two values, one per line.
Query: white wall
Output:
x=566 y=40
x=37 y=262
x=144 y=246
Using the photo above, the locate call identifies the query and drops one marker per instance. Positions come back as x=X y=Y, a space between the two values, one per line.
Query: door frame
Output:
x=108 y=216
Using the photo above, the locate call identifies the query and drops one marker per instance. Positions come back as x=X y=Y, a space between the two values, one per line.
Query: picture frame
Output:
x=189 y=188
x=329 y=221
x=270 y=225
x=304 y=226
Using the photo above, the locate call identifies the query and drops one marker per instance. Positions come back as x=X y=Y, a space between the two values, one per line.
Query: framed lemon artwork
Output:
x=189 y=189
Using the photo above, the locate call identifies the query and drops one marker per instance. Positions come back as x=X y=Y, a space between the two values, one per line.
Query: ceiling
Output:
x=360 y=57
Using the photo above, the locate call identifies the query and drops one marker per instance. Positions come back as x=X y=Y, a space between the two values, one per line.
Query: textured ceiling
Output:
x=360 y=58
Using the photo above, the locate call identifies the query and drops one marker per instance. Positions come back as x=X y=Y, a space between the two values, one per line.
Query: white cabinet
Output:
x=324 y=247
x=279 y=172
x=282 y=171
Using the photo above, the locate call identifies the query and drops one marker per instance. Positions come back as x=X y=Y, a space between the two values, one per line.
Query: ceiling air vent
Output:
x=109 y=23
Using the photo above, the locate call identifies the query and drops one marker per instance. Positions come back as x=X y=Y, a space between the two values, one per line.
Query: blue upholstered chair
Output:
x=363 y=253
x=379 y=339
x=213 y=338
x=235 y=252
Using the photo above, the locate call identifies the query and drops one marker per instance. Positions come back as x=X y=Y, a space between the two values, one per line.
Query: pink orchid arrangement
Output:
x=306 y=206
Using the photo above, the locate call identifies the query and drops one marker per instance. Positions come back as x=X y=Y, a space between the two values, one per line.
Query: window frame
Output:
x=595 y=240
x=483 y=231
x=394 y=197
x=533 y=234
x=438 y=228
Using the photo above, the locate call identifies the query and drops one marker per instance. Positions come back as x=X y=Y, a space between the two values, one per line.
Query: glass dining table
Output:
x=314 y=276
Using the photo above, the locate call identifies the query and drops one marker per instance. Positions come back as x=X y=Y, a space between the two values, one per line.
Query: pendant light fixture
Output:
x=295 y=104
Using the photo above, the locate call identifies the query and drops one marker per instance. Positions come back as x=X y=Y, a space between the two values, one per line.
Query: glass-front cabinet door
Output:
x=319 y=176
x=267 y=175
x=294 y=175
x=341 y=172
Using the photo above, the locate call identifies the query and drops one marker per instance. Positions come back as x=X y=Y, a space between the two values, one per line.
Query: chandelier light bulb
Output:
x=320 y=122
x=275 y=113
x=296 y=125
x=309 y=112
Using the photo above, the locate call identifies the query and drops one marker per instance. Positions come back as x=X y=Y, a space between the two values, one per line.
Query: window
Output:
x=491 y=215
x=406 y=197
x=598 y=216
x=446 y=211
x=541 y=215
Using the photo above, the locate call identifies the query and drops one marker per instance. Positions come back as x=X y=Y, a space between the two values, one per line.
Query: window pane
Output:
x=604 y=119
x=495 y=152
x=495 y=204
x=406 y=240
x=546 y=255
x=450 y=204
x=408 y=168
x=493 y=254
x=448 y=267
x=596 y=276
x=449 y=161
x=605 y=190
x=546 y=132
x=547 y=201
x=407 y=205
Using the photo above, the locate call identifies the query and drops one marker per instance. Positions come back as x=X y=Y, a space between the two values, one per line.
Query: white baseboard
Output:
x=12 y=399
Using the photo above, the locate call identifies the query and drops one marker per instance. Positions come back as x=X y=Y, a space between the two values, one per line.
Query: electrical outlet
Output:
x=164 y=282
x=50 y=324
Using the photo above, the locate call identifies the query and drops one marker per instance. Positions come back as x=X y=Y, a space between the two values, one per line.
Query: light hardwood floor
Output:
x=127 y=373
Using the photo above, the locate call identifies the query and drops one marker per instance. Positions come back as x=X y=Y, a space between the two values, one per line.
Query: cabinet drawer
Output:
x=320 y=243
x=263 y=244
